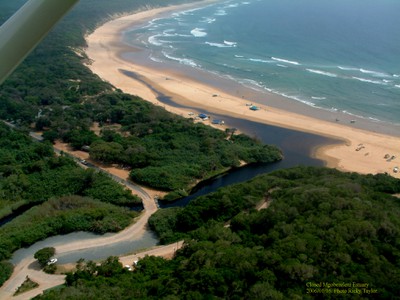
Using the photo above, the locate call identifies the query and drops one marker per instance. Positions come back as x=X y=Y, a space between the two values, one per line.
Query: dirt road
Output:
x=29 y=267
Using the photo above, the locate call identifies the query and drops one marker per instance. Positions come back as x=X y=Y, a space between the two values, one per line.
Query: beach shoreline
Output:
x=364 y=144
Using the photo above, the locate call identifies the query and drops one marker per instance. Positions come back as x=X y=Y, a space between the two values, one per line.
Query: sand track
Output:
x=29 y=266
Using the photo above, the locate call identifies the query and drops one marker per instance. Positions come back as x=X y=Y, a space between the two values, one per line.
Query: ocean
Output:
x=336 y=55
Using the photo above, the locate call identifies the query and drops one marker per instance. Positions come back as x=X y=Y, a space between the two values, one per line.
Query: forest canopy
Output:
x=320 y=225
x=51 y=195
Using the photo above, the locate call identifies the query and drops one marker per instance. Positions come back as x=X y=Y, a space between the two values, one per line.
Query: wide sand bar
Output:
x=365 y=144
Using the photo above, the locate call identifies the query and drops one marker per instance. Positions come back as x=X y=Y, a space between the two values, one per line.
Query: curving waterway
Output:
x=296 y=146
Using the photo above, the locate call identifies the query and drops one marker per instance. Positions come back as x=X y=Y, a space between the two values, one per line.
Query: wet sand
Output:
x=364 y=144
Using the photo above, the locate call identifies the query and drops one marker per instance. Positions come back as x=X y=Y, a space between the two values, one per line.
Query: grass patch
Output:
x=27 y=285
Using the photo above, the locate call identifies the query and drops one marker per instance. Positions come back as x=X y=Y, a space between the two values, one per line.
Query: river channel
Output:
x=296 y=146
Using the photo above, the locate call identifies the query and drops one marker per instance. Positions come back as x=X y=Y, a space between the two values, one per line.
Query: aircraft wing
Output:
x=26 y=28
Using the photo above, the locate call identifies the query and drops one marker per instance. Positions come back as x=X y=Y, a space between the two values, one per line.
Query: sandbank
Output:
x=364 y=144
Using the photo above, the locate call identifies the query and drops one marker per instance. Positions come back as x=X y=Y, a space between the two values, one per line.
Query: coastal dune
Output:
x=361 y=150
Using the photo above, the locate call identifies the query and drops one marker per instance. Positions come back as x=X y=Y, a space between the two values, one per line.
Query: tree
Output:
x=106 y=152
x=110 y=267
x=6 y=269
x=43 y=255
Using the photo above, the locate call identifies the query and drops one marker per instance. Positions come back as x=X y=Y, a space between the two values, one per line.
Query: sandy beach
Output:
x=365 y=145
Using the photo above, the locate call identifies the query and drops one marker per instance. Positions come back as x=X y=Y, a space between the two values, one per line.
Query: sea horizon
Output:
x=360 y=82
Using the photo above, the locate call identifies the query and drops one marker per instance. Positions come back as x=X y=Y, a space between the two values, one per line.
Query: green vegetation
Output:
x=55 y=92
x=27 y=285
x=64 y=197
x=6 y=269
x=321 y=226
x=50 y=269
x=31 y=174
x=43 y=255
x=178 y=158
x=61 y=216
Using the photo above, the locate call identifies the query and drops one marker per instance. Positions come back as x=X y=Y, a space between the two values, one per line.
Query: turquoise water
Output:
x=336 y=55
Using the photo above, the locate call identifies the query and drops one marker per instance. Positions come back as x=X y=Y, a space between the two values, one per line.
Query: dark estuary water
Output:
x=296 y=147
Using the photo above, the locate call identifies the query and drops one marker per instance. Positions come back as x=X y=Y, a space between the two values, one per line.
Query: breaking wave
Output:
x=198 y=32
x=285 y=61
x=184 y=61
x=322 y=73
x=259 y=60
x=219 y=45
x=348 y=68
x=369 y=80
x=154 y=41
x=232 y=44
x=374 y=73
